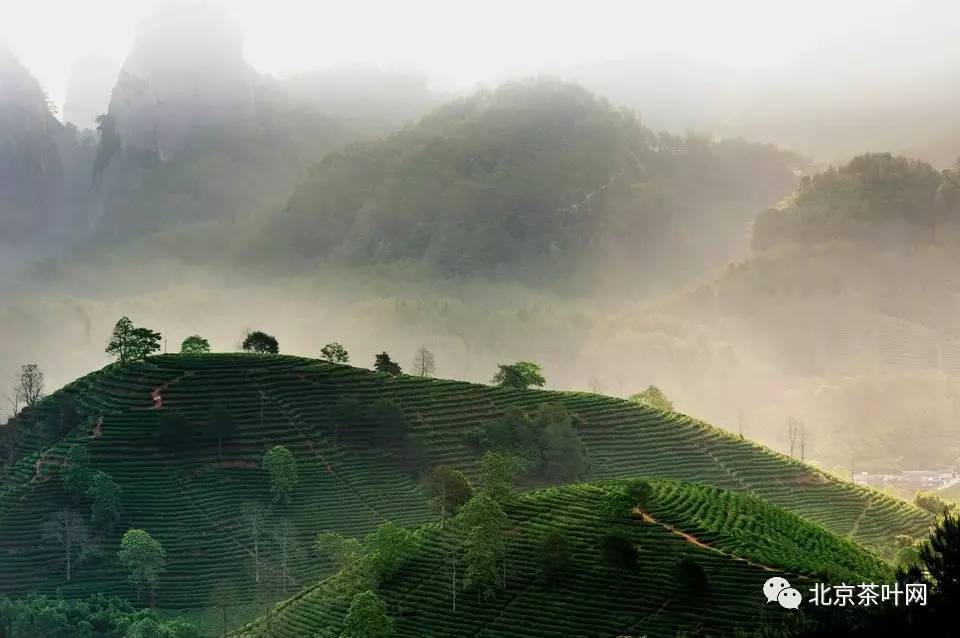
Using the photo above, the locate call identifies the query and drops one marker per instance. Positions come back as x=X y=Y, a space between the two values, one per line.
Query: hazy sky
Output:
x=462 y=43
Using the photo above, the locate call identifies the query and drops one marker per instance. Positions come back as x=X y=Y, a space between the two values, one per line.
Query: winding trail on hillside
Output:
x=156 y=394
x=693 y=540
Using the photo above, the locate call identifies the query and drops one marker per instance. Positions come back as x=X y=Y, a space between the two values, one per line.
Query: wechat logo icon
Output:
x=778 y=589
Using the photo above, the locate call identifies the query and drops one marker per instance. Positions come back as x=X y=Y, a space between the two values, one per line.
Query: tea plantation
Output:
x=192 y=499
x=657 y=596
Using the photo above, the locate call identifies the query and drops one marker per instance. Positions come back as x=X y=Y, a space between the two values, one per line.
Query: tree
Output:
x=260 y=342
x=367 y=618
x=130 y=343
x=349 y=555
x=619 y=555
x=496 y=476
x=388 y=421
x=174 y=430
x=386 y=549
x=285 y=550
x=335 y=353
x=28 y=389
x=654 y=398
x=225 y=595
x=383 y=363
x=941 y=558
x=483 y=526
x=75 y=471
x=520 y=375
x=144 y=558
x=222 y=425
x=280 y=463
x=67 y=528
x=447 y=490
x=562 y=455
x=104 y=494
x=554 y=555
x=194 y=344
x=254 y=521
x=423 y=362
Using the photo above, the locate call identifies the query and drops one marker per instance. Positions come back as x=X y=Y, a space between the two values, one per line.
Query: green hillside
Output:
x=729 y=536
x=533 y=177
x=192 y=500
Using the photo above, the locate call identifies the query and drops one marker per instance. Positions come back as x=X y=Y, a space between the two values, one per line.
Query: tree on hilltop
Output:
x=653 y=397
x=520 y=375
x=280 y=463
x=130 y=343
x=144 y=558
x=335 y=353
x=194 y=344
x=383 y=363
x=260 y=342
x=423 y=362
x=28 y=386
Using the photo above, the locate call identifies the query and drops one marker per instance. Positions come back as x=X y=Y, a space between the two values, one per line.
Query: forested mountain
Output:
x=852 y=294
x=874 y=198
x=534 y=176
x=42 y=164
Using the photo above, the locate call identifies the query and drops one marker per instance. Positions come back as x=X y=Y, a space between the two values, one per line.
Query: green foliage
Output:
x=933 y=503
x=260 y=342
x=654 y=397
x=104 y=494
x=446 y=489
x=280 y=463
x=174 y=431
x=941 y=557
x=194 y=344
x=555 y=559
x=563 y=456
x=547 y=443
x=130 y=343
x=367 y=618
x=619 y=555
x=482 y=524
x=370 y=562
x=335 y=353
x=867 y=198
x=387 y=548
x=520 y=375
x=222 y=425
x=97 y=616
x=75 y=471
x=496 y=476
x=383 y=363
x=692 y=578
x=144 y=559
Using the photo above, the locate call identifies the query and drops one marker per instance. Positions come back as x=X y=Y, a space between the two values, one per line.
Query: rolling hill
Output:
x=737 y=540
x=192 y=501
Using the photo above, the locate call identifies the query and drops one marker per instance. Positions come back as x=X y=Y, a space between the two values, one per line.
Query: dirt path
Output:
x=156 y=395
x=693 y=540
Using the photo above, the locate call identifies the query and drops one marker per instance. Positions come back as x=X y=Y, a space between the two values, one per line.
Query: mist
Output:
x=241 y=138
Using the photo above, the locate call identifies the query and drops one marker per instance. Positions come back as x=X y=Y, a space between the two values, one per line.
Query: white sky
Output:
x=462 y=43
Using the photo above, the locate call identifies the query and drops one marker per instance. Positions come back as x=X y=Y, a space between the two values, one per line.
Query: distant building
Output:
x=908 y=481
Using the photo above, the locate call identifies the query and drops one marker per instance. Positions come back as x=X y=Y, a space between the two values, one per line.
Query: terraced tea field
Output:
x=590 y=600
x=191 y=501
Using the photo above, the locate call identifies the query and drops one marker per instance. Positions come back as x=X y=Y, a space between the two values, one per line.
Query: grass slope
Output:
x=731 y=536
x=191 y=501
